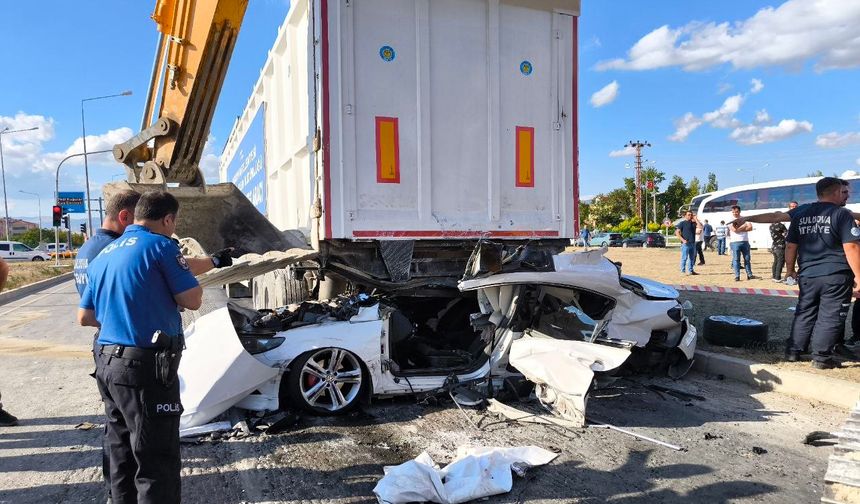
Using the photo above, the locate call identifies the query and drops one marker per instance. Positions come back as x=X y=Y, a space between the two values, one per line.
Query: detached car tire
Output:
x=732 y=331
x=326 y=381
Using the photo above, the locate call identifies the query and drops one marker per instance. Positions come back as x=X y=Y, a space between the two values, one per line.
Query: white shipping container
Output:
x=437 y=119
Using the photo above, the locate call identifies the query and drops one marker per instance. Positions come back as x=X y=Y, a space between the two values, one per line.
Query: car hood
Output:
x=652 y=288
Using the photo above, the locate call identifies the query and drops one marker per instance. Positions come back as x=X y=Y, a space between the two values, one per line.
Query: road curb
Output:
x=766 y=377
x=20 y=292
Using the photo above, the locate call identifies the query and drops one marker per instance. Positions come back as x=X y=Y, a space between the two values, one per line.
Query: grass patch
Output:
x=26 y=273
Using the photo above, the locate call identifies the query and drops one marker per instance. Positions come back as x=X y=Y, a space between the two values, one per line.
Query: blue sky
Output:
x=742 y=88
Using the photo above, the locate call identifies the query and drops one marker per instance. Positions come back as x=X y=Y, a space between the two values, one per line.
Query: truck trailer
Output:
x=393 y=136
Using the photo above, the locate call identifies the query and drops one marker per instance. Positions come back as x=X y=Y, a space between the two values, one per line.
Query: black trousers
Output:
x=778 y=262
x=699 y=253
x=822 y=308
x=141 y=431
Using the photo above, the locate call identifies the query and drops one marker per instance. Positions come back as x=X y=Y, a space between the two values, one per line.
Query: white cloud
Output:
x=626 y=151
x=858 y=161
x=824 y=31
x=757 y=86
x=210 y=162
x=724 y=117
x=762 y=117
x=684 y=126
x=724 y=88
x=848 y=173
x=755 y=134
x=103 y=142
x=833 y=139
x=606 y=95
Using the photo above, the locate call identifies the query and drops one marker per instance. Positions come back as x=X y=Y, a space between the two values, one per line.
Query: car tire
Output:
x=315 y=385
x=732 y=331
x=604 y=244
x=38 y=259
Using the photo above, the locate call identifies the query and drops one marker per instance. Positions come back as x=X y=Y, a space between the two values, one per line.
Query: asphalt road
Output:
x=45 y=362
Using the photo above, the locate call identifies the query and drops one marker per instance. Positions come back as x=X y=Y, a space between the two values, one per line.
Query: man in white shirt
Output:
x=740 y=245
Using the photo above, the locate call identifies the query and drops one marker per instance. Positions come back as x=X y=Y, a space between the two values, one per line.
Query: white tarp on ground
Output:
x=562 y=371
x=213 y=351
x=474 y=473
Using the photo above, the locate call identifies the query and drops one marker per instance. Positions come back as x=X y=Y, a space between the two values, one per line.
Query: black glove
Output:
x=222 y=258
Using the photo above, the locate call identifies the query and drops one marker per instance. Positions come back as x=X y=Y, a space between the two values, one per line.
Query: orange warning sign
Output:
x=387 y=151
x=525 y=156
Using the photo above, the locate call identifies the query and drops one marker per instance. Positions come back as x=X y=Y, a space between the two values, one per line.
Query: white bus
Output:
x=766 y=197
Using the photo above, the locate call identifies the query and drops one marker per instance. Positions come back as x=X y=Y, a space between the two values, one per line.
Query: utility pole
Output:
x=638 y=145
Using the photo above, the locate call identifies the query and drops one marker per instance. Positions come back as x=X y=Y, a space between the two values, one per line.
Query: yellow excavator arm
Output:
x=194 y=49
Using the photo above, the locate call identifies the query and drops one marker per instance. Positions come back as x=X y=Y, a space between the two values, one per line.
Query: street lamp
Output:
x=39 y=198
x=86 y=165
x=7 y=131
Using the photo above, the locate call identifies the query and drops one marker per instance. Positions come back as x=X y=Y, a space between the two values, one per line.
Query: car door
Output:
x=6 y=251
x=22 y=252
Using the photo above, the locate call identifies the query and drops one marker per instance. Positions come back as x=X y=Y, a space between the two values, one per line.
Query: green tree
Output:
x=675 y=195
x=711 y=186
x=610 y=208
x=694 y=188
x=585 y=214
x=816 y=173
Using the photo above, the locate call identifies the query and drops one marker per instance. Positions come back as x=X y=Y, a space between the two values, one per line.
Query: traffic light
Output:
x=66 y=222
x=83 y=229
x=58 y=215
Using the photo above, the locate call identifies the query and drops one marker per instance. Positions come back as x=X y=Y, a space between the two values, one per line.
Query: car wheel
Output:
x=732 y=331
x=38 y=259
x=603 y=244
x=326 y=381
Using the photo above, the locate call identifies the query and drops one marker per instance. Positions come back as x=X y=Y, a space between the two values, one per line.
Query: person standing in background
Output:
x=686 y=232
x=700 y=228
x=740 y=245
x=707 y=234
x=721 y=231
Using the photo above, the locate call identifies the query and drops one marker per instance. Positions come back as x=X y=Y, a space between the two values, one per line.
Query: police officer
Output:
x=825 y=239
x=135 y=288
x=119 y=214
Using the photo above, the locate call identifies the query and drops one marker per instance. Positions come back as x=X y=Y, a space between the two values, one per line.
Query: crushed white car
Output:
x=326 y=356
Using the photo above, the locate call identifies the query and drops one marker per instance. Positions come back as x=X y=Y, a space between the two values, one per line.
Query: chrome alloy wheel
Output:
x=330 y=379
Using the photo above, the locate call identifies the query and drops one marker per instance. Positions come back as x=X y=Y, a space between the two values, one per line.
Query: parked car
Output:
x=324 y=357
x=645 y=240
x=607 y=240
x=17 y=251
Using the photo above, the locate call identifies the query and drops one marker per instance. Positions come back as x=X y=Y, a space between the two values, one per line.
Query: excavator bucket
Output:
x=219 y=216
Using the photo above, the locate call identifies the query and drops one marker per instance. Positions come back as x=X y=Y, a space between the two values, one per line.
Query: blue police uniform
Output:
x=88 y=252
x=130 y=288
x=825 y=279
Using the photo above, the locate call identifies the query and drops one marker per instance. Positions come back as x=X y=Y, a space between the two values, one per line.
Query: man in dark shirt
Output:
x=707 y=234
x=686 y=232
x=825 y=238
x=777 y=248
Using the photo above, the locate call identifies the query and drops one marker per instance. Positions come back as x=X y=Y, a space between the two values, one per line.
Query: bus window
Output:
x=773 y=198
x=744 y=199
x=855 y=191
x=803 y=194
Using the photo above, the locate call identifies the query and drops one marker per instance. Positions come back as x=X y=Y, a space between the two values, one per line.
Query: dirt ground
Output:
x=663 y=265
x=51 y=458
x=24 y=273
